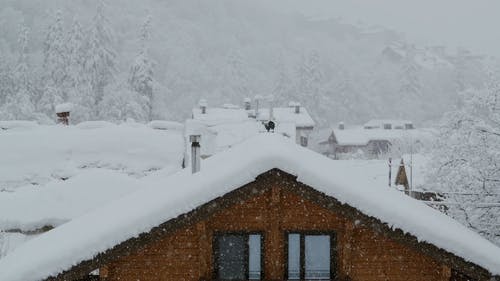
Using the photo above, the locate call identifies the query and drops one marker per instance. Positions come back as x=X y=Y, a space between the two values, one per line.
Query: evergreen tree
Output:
x=235 y=84
x=141 y=73
x=19 y=105
x=121 y=103
x=79 y=87
x=54 y=67
x=6 y=82
x=100 y=62
x=410 y=85
x=282 y=87
x=309 y=86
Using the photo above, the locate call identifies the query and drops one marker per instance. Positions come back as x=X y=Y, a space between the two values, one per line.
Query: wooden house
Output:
x=267 y=209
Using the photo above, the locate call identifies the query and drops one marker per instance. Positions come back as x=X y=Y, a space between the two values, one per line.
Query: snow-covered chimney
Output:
x=195 y=153
x=297 y=108
x=257 y=103
x=248 y=103
x=203 y=106
x=63 y=111
x=341 y=126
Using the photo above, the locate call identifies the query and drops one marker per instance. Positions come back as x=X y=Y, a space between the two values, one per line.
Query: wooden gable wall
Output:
x=362 y=254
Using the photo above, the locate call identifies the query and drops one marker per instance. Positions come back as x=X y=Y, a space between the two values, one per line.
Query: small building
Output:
x=294 y=114
x=267 y=209
x=373 y=139
x=222 y=127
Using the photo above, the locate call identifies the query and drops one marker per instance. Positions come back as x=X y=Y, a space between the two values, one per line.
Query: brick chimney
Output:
x=63 y=111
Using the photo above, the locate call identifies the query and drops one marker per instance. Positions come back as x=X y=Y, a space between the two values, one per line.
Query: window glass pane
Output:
x=317 y=256
x=254 y=257
x=231 y=257
x=293 y=256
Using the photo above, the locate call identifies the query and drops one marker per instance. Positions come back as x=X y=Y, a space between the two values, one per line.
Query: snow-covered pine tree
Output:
x=101 y=59
x=235 y=84
x=466 y=161
x=141 y=72
x=54 y=67
x=410 y=84
x=121 y=103
x=282 y=86
x=19 y=105
x=6 y=83
x=309 y=83
x=78 y=83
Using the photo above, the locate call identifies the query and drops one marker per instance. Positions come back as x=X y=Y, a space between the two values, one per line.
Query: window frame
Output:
x=215 y=253
x=302 y=234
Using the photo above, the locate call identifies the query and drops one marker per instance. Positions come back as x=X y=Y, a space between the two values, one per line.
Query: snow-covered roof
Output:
x=17 y=124
x=361 y=136
x=379 y=123
x=42 y=154
x=287 y=115
x=168 y=197
x=166 y=125
x=59 y=201
x=64 y=107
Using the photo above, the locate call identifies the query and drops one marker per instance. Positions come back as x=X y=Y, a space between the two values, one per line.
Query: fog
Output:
x=452 y=23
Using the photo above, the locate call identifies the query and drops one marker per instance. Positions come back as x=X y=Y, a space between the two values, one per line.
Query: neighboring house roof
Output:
x=379 y=123
x=287 y=115
x=163 y=199
x=52 y=174
x=361 y=137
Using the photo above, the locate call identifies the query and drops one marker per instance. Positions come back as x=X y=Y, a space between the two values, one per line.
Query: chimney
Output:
x=248 y=103
x=63 y=111
x=257 y=101
x=341 y=126
x=297 y=108
x=203 y=106
x=195 y=153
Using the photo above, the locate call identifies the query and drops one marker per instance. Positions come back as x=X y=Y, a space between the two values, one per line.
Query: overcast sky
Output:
x=473 y=24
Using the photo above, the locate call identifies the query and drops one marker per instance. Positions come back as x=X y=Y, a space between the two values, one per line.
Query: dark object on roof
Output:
x=270 y=126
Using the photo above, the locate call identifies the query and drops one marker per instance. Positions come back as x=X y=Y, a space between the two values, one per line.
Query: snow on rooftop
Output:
x=379 y=123
x=166 y=125
x=57 y=202
x=17 y=124
x=288 y=115
x=64 y=107
x=169 y=197
x=41 y=154
x=361 y=136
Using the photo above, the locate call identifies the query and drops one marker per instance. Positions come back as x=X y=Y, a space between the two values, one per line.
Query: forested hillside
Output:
x=156 y=59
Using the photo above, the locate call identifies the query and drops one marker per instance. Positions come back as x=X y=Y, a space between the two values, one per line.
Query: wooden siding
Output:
x=363 y=254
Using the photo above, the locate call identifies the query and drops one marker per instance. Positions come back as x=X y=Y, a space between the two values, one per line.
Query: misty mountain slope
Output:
x=226 y=50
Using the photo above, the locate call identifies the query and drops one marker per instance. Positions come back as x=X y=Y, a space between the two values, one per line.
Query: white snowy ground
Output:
x=52 y=174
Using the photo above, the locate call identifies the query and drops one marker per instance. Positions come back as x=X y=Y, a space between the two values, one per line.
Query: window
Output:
x=238 y=256
x=310 y=256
